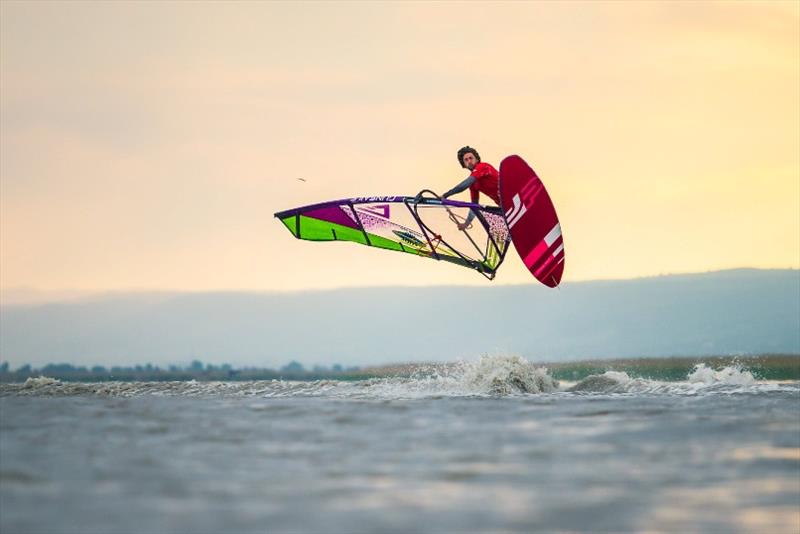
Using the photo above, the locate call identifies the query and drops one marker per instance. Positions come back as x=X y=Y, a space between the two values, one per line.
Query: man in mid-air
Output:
x=483 y=178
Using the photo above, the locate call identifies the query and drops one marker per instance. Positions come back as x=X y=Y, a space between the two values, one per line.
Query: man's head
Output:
x=468 y=157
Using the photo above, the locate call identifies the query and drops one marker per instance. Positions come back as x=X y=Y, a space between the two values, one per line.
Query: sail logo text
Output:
x=373 y=199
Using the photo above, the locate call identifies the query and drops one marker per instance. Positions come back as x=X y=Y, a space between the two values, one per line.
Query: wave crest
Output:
x=733 y=375
x=504 y=375
x=703 y=379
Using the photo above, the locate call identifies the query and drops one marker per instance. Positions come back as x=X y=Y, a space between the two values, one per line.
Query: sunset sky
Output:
x=146 y=145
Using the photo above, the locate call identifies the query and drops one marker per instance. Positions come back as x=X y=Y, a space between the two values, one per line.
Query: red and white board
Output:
x=532 y=220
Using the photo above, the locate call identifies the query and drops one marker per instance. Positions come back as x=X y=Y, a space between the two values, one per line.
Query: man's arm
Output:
x=463 y=186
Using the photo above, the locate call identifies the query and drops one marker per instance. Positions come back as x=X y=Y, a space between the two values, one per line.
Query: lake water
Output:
x=494 y=446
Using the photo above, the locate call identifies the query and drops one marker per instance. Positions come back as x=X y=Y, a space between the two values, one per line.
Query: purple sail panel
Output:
x=334 y=214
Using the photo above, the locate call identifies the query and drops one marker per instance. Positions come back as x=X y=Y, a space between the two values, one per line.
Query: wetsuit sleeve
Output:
x=460 y=187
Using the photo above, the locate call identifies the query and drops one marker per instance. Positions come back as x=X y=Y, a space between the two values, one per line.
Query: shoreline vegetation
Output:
x=671 y=369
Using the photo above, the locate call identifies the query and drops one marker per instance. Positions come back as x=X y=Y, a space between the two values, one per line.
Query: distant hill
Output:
x=728 y=312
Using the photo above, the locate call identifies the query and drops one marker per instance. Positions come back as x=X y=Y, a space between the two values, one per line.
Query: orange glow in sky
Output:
x=146 y=145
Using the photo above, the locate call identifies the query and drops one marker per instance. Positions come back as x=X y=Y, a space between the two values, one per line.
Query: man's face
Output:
x=469 y=160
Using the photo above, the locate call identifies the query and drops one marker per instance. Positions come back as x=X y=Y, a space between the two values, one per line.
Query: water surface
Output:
x=494 y=446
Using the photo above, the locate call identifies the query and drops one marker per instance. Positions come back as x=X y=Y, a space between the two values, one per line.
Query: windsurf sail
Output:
x=425 y=225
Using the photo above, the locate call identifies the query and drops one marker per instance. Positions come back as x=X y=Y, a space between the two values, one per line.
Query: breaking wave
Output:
x=702 y=380
x=490 y=376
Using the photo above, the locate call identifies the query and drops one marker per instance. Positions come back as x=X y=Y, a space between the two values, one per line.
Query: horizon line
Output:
x=38 y=296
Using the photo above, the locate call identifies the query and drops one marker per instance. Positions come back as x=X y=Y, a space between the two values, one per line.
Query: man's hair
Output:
x=466 y=150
